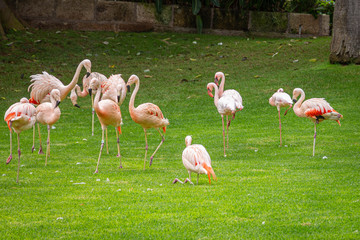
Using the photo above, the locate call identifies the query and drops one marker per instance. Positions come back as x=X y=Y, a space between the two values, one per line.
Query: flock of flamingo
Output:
x=107 y=95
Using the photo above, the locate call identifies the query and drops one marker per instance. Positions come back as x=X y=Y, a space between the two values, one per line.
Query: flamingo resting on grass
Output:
x=196 y=159
x=19 y=117
x=316 y=109
x=48 y=113
x=108 y=113
x=280 y=99
x=148 y=115
x=226 y=105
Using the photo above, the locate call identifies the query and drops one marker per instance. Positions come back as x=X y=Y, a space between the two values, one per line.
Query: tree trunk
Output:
x=8 y=19
x=345 y=44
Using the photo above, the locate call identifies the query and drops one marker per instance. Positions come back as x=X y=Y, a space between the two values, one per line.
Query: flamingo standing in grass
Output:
x=108 y=113
x=148 y=115
x=280 y=99
x=196 y=159
x=48 y=113
x=226 y=105
x=42 y=84
x=120 y=87
x=316 y=109
x=19 y=117
x=219 y=76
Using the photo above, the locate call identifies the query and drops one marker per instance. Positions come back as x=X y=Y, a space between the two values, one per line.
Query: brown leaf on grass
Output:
x=147 y=76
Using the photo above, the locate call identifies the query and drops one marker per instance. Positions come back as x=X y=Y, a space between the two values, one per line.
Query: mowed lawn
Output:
x=263 y=191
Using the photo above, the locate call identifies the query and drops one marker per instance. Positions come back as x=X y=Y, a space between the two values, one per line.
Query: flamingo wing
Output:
x=41 y=86
x=316 y=107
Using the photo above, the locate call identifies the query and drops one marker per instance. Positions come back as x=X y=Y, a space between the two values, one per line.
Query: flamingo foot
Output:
x=224 y=155
x=188 y=180
x=120 y=166
x=151 y=159
x=96 y=171
x=9 y=159
x=118 y=155
x=177 y=180
x=32 y=149
x=40 y=151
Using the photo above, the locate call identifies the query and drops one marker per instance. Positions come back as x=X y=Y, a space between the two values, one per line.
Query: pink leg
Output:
x=10 y=156
x=33 y=146
x=40 y=148
x=222 y=118
x=280 y=127
x=19 y=154
x=92 y=115
x=101 y=148
x=118 y=147
x=146 y=148
x=162 y=140
x=107 y=147
x=48 y=145
x=227 y=130
x=314 y=139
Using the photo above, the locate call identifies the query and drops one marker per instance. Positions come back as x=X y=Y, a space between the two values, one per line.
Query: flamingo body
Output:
x=148 y=115
x=19 y=117
x=315 y=109
x=220 y=76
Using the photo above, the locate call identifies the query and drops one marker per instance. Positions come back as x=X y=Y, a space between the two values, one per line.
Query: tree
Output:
x=8 y=19
x=345 y=44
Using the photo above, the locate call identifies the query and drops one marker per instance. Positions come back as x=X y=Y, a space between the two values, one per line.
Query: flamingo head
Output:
x=218 y=77
x=55 y=95
x=94 y=85
x=188 y=140
x=210 y=89
x=296 y=93
x=132 y=79
x=87 y=65
x=280 y=90
x=24 y=100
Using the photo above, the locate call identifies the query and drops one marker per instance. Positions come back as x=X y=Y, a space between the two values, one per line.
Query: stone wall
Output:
x=138 y=17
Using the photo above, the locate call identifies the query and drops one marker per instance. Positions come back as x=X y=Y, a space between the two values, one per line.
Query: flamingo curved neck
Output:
x=216 y=96
x=65 y=91
x=97 y=98
x=297 y=105
x=80 y=93
x=133 y=95
x=222 y=84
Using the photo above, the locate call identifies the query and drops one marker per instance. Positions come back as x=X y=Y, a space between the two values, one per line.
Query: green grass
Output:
x=263 y=191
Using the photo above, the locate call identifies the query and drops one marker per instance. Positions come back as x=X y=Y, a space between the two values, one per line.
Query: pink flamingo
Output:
x=148 y=115
x=48 y=113
x=219 y=76
x=280 y=99
x=42 y=84
x=120 y=87
x=108 y=113
x=196 y=159
x=19 y=117
x=225 y=105
x=316 y=109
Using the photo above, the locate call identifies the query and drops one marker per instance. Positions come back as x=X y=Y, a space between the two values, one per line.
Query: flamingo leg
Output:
x=189 y=179
x=222 y=118
x=146 y=148
x=118 y=147
x=40 y=148
x=101 y=148
x=19 y=153
x=33 y=146
x=107 y=146
x=10 y=156
x=48 y=145
x=280 y=126
x=162 y=140
x=227 y=130
x=314 y=139
x=93 y=115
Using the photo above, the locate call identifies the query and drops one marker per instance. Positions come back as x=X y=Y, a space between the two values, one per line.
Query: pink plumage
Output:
x=148 y=115
x=19 y=117
x=315 y=109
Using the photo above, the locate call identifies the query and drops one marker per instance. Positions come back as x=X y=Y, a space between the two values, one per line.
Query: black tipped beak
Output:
x=77 y=105
x=118 y=98
x=216 y=81
x=128 y=88
x=90 y=91
x=294 y=100
x=87 y=74
x=57 y=104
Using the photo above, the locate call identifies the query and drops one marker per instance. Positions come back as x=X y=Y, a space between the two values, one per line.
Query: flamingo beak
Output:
x=210 y=93
x=77 y=105
x=216 y=81
x=118 y=98
x=90 y=91
x=57 y=104
x=294 y=100
x=128 y=88
x=87 y=74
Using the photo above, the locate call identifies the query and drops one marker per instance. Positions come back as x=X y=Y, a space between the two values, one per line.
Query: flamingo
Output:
x=42 y=84
x=219 y=76
x=120 y=86
x=280 y=99
x=148 y=115
x=108 y=113
x=19 y=117
x=48 y=113
x=225 y=105
x=316 y=109
x=196 y=159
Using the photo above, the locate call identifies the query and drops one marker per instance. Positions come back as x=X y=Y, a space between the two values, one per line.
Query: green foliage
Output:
x=158 y=6
x=196 y=6
x=199 y=24
x=263 y=191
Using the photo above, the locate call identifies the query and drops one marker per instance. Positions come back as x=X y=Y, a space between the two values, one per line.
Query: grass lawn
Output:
x=263 y=191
